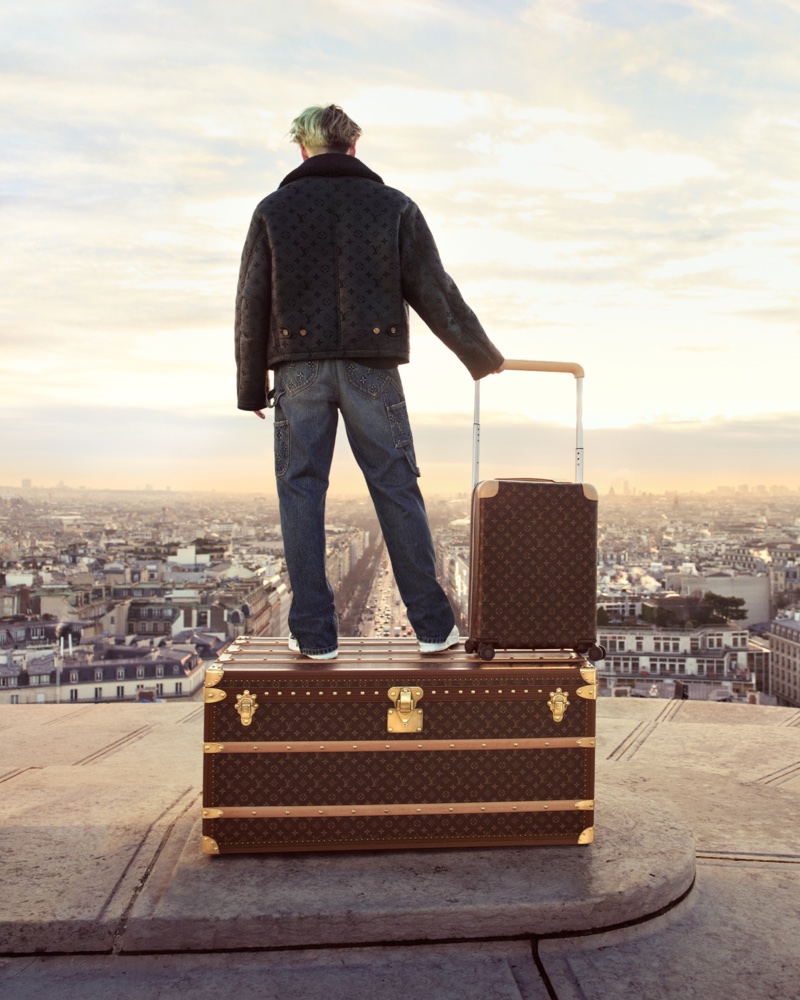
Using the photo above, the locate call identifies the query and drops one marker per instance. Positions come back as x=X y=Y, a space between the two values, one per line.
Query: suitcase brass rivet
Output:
x=335 y=692
x=419 y=810
x=419 y=746
x=450 y=809
x=386 y=810
x=375 y=692
x=292 y=693
x=388 y=746
x=483 y=744
x=516 y=744
x=319 y=692
x=460 y=692
x=307 y=693
x=499 y=690
x=349 y=692
x=255 y=813
x=355 y=746
x=525 y=691
x=255 y=746
x=288 y=748
x=322 y=812
x=514 y=808
x=483 y=809
x=432 y=692
x=547 y=743
x=287 y=812
x=472 y=692
x=353 y=812
x=513 y=690
x=486 y=691
x=280 y=692
x=452 y=745
x=447 y=692
x=363 y=692
x=322 y=746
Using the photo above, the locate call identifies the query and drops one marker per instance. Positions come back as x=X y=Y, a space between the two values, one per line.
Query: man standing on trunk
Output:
x=332 y=261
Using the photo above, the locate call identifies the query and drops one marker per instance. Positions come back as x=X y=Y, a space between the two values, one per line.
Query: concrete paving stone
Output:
x=446 y=973
x=719 y=749
x=723 y=814
x=736 y=940
x=642 y=860
x=73 y=852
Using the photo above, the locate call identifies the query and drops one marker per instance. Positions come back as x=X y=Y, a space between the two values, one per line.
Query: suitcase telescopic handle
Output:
x=570 y=368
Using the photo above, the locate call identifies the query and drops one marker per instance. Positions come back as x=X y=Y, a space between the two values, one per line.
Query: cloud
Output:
x=613 y=182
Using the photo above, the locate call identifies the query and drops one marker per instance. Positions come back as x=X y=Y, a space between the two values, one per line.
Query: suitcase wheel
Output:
x=469 y=646
x=485 y=651
x=591 y=651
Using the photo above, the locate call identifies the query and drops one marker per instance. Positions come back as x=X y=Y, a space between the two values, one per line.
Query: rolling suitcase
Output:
x=387 y=749
x=533 y=553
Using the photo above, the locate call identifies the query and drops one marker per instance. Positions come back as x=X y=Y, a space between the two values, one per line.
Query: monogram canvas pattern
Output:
x=354 y=779
x=533 y=568
x=377 y=831
x=443 y=720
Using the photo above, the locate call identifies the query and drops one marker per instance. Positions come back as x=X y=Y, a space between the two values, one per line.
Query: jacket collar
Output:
x=331 y=165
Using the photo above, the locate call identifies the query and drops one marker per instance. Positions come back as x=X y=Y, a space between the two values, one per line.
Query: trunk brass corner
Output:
x=212 y=814
x=212 y=695
x=587 y=837
x=210 y=846
x=405 y=717
x=586 y=805
x=558 y=704
x=589 y=675
x=488 y=488
x=214 y=675
x=246 y=707
x=213 y=747
x=589 y=692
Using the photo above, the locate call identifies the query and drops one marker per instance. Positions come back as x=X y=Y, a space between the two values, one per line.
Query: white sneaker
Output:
x=294 y=647
x=439 y=647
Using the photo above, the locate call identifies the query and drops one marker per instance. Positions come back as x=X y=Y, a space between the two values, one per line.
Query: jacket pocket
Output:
x=401 y=432
x=281 y=447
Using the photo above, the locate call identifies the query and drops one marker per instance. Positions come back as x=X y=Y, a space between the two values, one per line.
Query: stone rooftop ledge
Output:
x=100 y=847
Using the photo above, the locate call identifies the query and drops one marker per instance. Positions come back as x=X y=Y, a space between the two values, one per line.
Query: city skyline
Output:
x=614 y=184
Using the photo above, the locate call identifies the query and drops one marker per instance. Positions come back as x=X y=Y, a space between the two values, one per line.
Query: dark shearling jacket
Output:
x=331 y=262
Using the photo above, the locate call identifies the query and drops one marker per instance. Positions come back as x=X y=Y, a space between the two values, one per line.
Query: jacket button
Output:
x=392 y=329
x=304 y=333
x=376 y=329
x=284 y=333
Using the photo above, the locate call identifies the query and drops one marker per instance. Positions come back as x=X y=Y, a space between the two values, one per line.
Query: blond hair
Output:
x=324 y=129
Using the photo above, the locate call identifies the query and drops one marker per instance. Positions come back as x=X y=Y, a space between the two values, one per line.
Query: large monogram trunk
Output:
x=384 y=748
x=533 y=567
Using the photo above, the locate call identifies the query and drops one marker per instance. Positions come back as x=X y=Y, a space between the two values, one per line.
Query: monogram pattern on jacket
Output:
x=331 y=262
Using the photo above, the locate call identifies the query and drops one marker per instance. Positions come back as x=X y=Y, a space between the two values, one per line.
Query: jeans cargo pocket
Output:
x=401 y=432
x=281 y=447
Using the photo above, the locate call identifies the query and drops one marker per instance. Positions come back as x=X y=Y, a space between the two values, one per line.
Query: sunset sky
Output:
x=615 y=183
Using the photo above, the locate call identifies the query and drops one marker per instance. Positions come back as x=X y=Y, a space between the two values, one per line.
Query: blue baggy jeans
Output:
x=308 y=398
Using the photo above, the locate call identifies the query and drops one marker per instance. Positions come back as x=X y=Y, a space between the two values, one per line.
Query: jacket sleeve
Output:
x=433 y=294
x=252 y=323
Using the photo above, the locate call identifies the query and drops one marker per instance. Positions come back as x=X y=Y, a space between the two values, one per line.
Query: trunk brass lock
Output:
x=405 y=717
x=246 y=706
x=558 y=704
